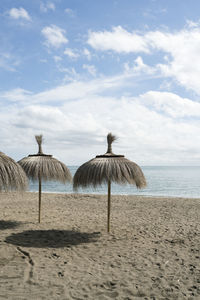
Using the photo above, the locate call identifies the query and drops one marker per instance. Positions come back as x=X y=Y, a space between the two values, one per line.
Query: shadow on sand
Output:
x=51 y=238
x=8 y=224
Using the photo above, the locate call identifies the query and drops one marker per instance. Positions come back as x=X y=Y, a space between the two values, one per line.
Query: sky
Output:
x=76 y=70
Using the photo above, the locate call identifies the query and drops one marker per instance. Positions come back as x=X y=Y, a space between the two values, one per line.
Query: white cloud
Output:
x=171 y=105
x=118 y=40
x=55 y=36
x=16 y=95
x=87 y=53
x=8 y=62
x=48 y=6
x=139 y=67
x=70 y=12
x=139 y=64
x=153 y=128
x=182 y=48
x=166 y=85
x=192 y=24
x=71 y=74
x=19 y=13
x=91 y=69
x=57 y=58
x=79 y=88
x=71 y=53
x=152 y=14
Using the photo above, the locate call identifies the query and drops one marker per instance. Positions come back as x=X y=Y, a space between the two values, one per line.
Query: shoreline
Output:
x=121 y=195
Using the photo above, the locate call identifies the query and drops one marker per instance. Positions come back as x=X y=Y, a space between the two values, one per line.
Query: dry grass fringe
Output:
x=108 y=167
x=48 y=168
x=12 y=176
x=99 y=171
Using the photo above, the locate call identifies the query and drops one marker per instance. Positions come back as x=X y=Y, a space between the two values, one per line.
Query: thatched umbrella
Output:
x=12 y=176
x=108 y=168
x=42 y=166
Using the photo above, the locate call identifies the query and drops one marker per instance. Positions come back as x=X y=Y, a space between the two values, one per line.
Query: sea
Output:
x=163 y=181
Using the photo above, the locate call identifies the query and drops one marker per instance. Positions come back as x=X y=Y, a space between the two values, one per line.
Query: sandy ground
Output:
x=153 y=251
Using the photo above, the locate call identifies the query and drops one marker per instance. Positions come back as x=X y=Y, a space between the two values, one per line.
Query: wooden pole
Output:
x=109 y=206
x=40 y=189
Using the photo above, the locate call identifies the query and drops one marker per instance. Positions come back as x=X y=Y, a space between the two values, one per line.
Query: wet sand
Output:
x=153 y=251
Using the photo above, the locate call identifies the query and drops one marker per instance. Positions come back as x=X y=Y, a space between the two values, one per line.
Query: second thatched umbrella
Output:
x=12 y=176
x=42 y=166
x=108 y=168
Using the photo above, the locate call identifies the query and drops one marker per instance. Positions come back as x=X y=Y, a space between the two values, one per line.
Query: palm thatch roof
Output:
x=109 y=167
x=45 y=166
x=98 y=171
x=12 y=176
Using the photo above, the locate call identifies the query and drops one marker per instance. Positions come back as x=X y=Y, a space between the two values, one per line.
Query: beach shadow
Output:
x=8 y=224
x=51 y=238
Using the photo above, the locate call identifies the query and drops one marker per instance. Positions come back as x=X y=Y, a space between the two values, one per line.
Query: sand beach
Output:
x=152 y=252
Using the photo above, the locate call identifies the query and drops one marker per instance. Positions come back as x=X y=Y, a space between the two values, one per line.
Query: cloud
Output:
x=87 y=53
x=91 y=69
x=71 y=74
x=171 y=105
x=180 y=49
x=118 y=40
x=75 y=53
x=139 y=67
x=48 y=6
x=71 y=53
x=70 y=12
x=8 y=62
x=81 y=87
x=183 y=48
x=19 y=13
x=153 y=128
x=192 y=24
x=54 y=35
x=152 y=14
x=16 y=95
x=57 y=58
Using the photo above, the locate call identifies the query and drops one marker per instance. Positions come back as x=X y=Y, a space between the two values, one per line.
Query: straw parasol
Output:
x=108 y=168
x=42 y=166
x=12 y=176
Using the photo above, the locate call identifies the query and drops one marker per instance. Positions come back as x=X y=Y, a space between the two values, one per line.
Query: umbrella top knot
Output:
x=110 y=139
x=39 y=140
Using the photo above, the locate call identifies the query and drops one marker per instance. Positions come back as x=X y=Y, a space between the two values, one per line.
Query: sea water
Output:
x=161 y=181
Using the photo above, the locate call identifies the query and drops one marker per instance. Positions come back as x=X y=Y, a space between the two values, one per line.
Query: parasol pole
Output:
x=39 y=140
x=109 y=206
x=40 y=188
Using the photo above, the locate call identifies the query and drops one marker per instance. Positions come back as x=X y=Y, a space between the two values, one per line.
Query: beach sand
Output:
x=153 y=251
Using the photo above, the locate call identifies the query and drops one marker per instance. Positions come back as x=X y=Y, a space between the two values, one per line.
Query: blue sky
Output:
x=76 y=70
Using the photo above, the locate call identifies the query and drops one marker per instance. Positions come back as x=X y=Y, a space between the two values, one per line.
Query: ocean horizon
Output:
x=166 y=181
